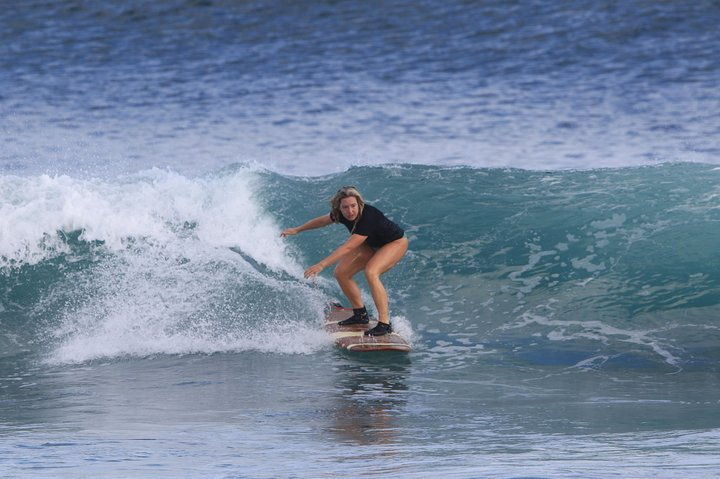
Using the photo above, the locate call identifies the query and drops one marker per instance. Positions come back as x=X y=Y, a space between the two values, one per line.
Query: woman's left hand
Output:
x=313 y=270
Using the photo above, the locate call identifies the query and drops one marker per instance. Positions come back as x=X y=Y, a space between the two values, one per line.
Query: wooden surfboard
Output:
x=353 y=338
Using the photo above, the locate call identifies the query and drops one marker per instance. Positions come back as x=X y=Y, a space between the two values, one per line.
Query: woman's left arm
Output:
x=353 y=242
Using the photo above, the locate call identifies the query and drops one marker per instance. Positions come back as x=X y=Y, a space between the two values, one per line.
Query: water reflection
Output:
x=371 y=393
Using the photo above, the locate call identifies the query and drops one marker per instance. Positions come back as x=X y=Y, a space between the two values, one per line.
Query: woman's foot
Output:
x=360 y=316
x=380 y=329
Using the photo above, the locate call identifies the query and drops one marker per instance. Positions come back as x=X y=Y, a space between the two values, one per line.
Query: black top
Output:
x=373 y=224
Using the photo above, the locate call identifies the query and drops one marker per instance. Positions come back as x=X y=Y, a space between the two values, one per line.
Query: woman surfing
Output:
x=376 y=244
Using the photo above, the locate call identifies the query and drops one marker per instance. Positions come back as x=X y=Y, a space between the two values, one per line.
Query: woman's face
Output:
x=349 y=208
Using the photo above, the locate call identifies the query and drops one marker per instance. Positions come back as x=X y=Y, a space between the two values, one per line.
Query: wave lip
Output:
x=155 y=206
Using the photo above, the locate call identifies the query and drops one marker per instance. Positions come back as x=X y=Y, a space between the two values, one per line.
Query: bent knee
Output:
x=337 y=273
x=342 y=273
x=372 y=273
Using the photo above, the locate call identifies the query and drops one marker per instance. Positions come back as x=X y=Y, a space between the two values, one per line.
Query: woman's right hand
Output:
x=288 y=232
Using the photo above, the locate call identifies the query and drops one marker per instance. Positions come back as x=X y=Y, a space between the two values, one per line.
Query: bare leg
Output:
x=381 y=262
x=349 y=266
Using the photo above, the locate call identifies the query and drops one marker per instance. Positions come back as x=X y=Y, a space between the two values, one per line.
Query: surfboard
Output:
x=352 y=338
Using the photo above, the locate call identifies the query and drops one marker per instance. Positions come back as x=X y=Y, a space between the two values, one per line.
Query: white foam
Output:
x=153 y=206
x=534 y=258
x=196 y=307
x=167 y=281
x=587 y=264
x=120 y=337
x=597 y=331
x=403 y=327
x=616 y=221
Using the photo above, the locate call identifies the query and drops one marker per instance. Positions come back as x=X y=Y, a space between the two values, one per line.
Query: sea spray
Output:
x=154 y=263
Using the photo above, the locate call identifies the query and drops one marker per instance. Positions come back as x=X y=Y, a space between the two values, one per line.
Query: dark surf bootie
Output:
x=380 y=329
x=360 y=316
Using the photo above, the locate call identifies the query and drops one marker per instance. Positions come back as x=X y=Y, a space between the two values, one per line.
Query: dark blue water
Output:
x=555 y=167
x=314 y=87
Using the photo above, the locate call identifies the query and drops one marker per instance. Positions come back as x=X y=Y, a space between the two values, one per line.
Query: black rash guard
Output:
x=373 y=224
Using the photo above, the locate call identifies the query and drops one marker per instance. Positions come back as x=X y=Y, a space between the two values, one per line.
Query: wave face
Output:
x=600 y=269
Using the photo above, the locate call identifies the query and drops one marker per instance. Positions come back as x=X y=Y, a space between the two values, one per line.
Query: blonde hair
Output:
x=342 y=193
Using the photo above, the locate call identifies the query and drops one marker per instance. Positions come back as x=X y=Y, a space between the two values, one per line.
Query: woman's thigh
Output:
x=386 y=257
x=354 y=262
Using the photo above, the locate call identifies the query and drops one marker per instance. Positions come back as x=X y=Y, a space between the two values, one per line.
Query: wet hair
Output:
x=342 y=193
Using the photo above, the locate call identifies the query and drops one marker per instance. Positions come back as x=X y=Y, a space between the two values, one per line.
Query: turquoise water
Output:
x=562 y=323
x=555 y=167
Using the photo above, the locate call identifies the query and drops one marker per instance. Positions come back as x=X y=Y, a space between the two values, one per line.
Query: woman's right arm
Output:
x=318 y=222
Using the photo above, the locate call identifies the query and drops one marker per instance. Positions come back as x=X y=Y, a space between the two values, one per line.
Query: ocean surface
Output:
x=556 y=166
